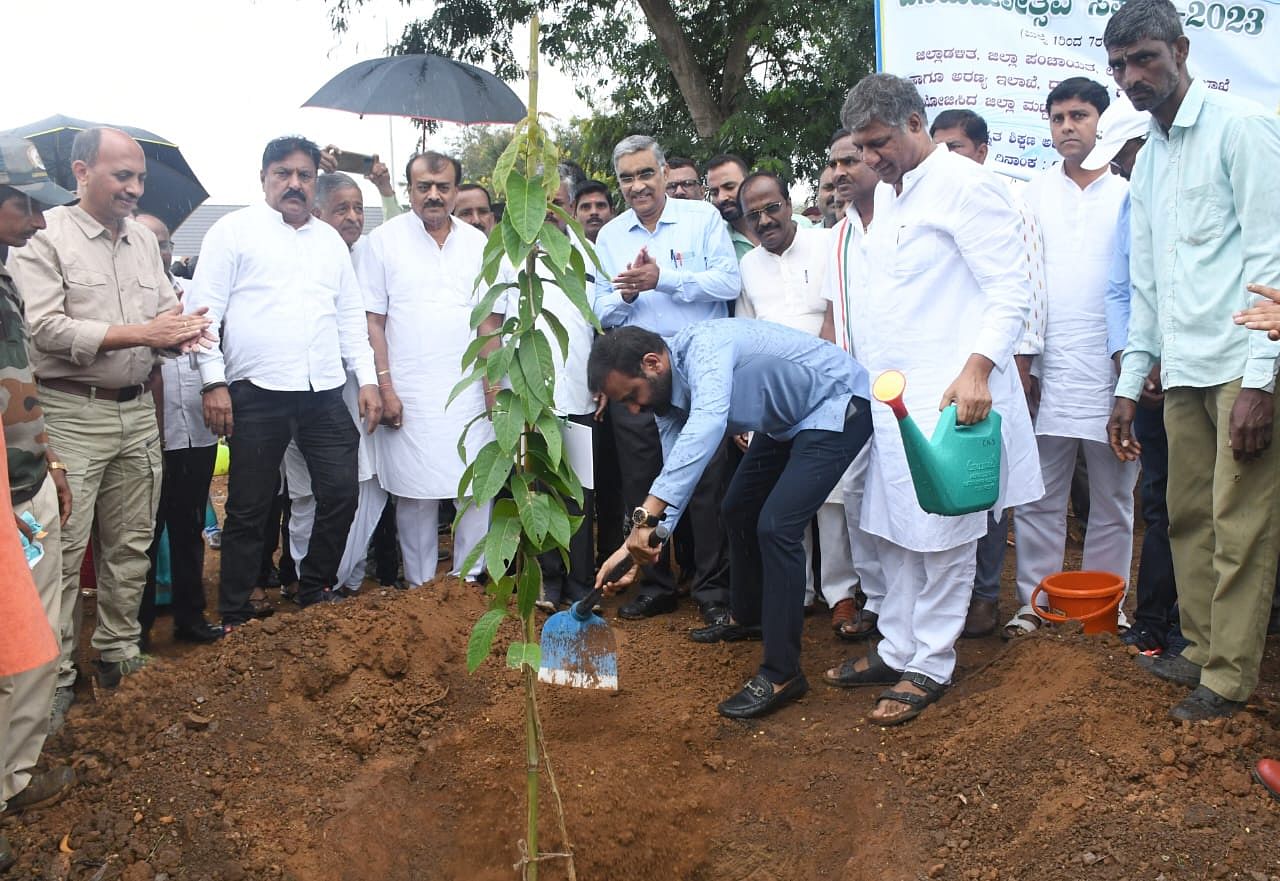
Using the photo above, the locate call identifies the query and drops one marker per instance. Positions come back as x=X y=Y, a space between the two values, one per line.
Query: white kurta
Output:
x=787 y=288
x=427 y=293
x=572 y=396
x=942 y=277
x=1077 y=377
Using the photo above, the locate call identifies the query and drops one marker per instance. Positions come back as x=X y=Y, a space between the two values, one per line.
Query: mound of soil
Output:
x=348 y=743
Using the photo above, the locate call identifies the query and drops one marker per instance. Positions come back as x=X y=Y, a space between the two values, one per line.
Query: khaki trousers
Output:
x=114 y=466
x=1224 y=529
x=25 y=699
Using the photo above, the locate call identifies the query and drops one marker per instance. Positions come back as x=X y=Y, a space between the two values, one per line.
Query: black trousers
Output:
x=275 y=536
x=184 y=492
x=386 y=546
x=560 y=584
x=610 y=515
x=776 y=491
x=1157 y=588
x=265 y=421
x=640 y=463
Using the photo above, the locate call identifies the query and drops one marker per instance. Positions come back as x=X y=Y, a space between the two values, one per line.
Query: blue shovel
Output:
x=578 y=648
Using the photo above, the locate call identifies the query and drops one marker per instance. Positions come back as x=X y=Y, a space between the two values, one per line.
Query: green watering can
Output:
x=958 y=470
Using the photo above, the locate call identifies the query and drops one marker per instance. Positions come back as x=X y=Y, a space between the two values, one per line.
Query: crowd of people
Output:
x=1120 y=312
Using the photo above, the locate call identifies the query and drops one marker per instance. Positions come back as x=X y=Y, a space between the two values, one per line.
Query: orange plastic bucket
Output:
x=1088 y=597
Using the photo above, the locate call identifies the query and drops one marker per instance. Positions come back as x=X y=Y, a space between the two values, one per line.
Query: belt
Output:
x=84 y=390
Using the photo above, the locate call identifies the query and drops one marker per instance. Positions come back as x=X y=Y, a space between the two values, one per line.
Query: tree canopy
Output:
x=761 y=78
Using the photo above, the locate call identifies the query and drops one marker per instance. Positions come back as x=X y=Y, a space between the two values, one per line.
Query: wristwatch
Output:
x=641 y=517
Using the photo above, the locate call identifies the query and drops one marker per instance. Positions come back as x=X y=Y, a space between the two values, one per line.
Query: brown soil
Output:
x=348 y=743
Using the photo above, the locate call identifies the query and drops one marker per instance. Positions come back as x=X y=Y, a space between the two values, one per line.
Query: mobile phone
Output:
x=354 y=163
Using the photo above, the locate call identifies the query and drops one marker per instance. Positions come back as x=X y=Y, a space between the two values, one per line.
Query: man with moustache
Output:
x=418 y=272
x=854 y=185
x=280 y=283
x=683 y=180
x=827 y=197
x=101 y=309
x=1205 y=224
x=725 y=174
x=340 y=204
x=669 y=264
x=592 y=207
x=783 y=281
x=473 y=205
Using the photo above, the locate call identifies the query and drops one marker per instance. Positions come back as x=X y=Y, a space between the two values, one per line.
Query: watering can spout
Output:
x=957 y=471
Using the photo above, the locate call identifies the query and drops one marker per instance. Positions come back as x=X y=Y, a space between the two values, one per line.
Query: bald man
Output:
x=101 y=312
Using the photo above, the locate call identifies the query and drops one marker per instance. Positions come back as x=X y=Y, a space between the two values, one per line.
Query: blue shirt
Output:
x=1118 y=290
x=697 y=268
x=738 y=375
x=1205 y=222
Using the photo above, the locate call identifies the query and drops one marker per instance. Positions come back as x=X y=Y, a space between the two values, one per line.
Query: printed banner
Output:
x=1000 y=59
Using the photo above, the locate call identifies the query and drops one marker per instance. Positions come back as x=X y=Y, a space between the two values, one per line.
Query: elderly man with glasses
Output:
x=668 y=264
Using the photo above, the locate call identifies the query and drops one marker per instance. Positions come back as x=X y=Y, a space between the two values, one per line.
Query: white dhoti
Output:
x=925 y=607
x=418 y=522
x=426 y=291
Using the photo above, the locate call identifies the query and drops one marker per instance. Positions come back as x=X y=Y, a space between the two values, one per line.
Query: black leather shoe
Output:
x=200 y=632
x=725 y=631
x=647 y=606
x=1175 y=668
x=1204 y=703
x=757 y=697
x=715 y=613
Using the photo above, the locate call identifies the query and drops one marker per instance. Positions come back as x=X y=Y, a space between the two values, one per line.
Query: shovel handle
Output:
x=659 y=535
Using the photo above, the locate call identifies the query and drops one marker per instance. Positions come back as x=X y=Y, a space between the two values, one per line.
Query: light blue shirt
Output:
x=697 y=269
x=1206 y=222
x=1118 y=289
x=738 y=375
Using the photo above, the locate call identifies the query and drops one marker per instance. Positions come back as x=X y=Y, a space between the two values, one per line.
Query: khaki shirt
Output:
x=77 y=283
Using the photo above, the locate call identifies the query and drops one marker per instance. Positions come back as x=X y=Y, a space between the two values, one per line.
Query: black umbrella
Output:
x=172 y=190
x=422 y=87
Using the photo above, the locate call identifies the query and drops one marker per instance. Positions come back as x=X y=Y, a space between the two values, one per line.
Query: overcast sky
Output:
x=219 y=78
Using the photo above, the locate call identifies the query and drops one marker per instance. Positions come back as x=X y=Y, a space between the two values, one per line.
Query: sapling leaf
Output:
x=482 y=635
x=528 y=585
x=492 y=466
x=526 y=206
x=503 y=539
x=556 y=244
x=507 y=161
x=524 y=654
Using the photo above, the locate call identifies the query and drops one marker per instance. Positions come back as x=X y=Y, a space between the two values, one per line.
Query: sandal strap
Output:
x=935 y=688
x=906 y=697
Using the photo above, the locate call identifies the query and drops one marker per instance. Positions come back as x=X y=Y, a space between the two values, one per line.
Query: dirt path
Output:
x=347 y=743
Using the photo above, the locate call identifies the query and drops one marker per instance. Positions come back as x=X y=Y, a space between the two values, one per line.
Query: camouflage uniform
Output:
x=20 y=411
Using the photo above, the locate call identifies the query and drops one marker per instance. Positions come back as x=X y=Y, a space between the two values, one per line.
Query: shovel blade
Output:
x=578 y=653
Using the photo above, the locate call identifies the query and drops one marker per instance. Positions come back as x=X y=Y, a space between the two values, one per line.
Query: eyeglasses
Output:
x=773 y=209
x=644 y=176
x=677 y=185
x=1115 y=168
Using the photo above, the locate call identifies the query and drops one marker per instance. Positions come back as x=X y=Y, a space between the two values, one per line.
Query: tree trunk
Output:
x=708 y=116
x=735 y=62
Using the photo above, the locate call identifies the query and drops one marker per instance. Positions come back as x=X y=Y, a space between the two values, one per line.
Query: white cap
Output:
x=1118 y=124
